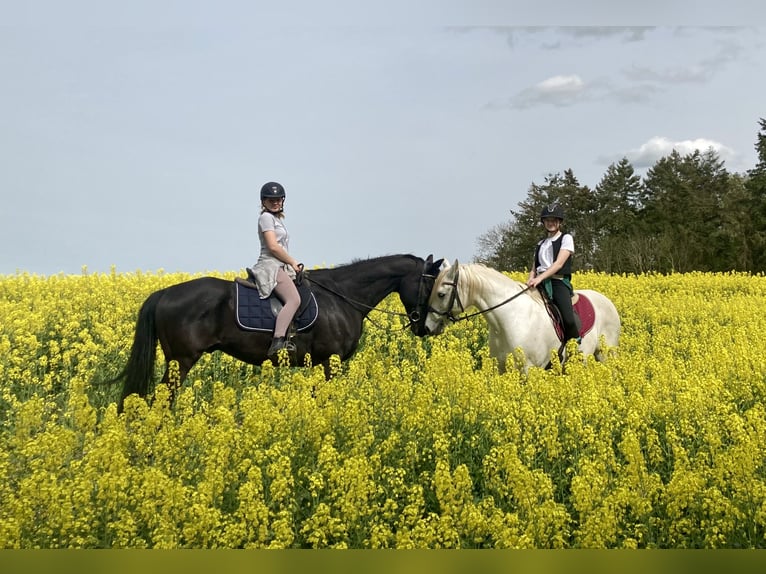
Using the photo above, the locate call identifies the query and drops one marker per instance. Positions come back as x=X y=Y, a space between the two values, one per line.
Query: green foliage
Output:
x=617 y=235
x=516 y=241
x=755 y=187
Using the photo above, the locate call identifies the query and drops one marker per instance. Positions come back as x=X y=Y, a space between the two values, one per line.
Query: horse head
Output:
x=415 y=292
x=444 y=302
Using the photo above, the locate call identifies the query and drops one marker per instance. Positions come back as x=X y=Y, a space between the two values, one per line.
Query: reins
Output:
x=464 y=317
x=456 y=297
x=365 y=305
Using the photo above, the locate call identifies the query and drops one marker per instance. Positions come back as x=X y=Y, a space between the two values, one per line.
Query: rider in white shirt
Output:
x=552 y=268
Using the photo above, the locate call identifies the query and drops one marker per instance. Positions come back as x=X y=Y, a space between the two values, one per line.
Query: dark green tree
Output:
x=621 y=247
x=681 y=203
x=581 y=206
x=687 y=214
x=511 y=246
x=733 y=239
x=756 y=189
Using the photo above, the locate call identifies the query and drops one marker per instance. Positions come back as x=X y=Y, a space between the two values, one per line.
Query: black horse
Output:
x=198 y=316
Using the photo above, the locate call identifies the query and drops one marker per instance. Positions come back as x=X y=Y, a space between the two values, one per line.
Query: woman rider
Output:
x=552 y=268
x=276 y=269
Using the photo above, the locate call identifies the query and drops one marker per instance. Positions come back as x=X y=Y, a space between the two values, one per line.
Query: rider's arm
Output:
x=270 y=238
x=564 y=254
x=535 y=279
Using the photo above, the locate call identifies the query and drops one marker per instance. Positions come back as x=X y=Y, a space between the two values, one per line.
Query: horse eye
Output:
x=441 y=295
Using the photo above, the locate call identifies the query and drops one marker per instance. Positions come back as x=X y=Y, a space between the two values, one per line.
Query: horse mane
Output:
x=360 y=261
x=479 y=271
x=381 y=259
x=356 y=266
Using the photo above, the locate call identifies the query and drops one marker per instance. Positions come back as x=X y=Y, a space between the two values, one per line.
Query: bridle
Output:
x=426 y=284
x=424 y=290
x=455 y=298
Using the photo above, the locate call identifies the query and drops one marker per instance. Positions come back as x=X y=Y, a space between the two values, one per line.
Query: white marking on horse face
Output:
x=439 y=301
x=434 y=324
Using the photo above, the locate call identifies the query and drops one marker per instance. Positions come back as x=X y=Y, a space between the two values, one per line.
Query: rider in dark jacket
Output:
x=552 y=267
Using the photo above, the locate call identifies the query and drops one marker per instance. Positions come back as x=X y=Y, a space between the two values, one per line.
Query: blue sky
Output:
x=137 y=135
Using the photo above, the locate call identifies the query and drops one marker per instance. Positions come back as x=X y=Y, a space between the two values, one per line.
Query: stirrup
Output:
x=279 y=343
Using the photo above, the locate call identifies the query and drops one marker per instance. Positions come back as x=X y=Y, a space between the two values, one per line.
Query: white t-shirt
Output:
x=545 y=255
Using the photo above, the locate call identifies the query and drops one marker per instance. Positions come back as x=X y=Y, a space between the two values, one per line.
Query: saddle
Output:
x=584 y=314
x=255 y=314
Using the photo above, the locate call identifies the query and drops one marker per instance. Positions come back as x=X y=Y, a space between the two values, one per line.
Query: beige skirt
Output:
x=265 y=271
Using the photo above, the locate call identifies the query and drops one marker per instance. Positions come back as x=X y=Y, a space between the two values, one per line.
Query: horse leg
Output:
x=603 y=350
x=496 y=348
x=175 y=374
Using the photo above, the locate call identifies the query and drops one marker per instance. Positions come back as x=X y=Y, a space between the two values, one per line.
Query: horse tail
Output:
x=139 y=370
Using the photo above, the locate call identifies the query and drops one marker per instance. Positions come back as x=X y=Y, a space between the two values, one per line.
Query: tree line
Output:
x=688 y=213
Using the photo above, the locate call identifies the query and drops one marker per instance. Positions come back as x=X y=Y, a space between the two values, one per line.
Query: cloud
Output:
x=556 y=91
x=557 y=38
x=658 y=147
x=561 y=85
x=628 y=33
x=681 y=75
x=637 y=83
x=704 y=70
x=635 y=94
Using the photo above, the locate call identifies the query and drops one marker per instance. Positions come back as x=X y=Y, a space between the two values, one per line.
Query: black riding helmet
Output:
x=554 y=210
x=271 y=190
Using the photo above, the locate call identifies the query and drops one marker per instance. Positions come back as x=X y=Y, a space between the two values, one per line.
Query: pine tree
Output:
x=620 y=244
x=756 y=188
x=681 y=207
x=511 y=246
x=733 y=240
x=688 y=213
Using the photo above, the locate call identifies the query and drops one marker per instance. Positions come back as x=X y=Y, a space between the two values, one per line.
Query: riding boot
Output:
x=278 y=343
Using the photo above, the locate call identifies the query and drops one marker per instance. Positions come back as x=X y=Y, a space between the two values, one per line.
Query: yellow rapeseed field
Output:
x=415 y=443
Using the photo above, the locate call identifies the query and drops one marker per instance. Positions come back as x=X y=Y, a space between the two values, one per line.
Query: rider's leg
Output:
x=291 y=300
x=562 y=297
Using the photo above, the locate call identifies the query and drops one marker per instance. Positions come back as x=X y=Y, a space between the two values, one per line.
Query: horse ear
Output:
x=434 y=267
x=453 y=269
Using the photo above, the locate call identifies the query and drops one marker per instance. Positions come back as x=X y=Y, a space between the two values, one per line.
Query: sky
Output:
x=136 y=136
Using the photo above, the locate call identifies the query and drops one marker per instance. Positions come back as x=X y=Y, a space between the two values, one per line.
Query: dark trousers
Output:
x=562 y=298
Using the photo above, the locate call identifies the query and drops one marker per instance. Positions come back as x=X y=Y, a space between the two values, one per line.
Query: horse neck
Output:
x=372 y=280
x=483 y=287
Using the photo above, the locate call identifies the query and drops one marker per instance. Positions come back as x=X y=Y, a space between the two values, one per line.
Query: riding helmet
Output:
x=272 y=189
x=554 y=210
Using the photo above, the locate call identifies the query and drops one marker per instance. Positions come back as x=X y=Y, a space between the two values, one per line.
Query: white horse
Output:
x=516 y=315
